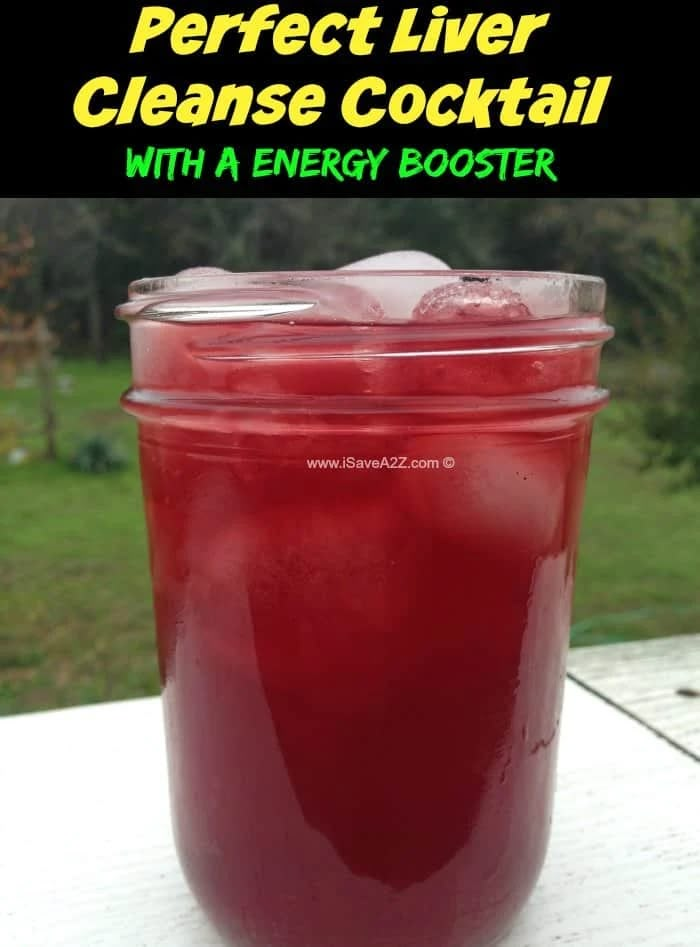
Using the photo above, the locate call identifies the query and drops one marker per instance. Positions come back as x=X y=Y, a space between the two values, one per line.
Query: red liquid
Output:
x=362 y=669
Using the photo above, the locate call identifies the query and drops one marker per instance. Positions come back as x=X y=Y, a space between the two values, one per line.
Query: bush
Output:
x=673 y=431
x=97 y=454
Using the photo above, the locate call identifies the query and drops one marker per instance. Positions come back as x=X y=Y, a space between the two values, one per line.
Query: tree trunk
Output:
x=47 y=389
x=94 y=311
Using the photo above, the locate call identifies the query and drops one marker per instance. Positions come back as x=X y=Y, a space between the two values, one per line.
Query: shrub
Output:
x=97 y=454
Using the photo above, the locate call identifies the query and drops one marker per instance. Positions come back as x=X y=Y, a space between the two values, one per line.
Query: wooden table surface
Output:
x=86 y=857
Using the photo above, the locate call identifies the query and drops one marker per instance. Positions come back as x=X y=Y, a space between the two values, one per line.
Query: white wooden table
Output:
x=86 y=858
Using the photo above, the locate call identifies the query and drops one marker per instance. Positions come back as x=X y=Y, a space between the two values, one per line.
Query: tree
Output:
x=24 y=336
x=16 y=341
x=78 y=249
x=640 y=246
x=671 y=412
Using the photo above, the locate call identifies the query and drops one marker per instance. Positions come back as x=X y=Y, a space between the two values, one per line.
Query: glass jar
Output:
x=363 y=494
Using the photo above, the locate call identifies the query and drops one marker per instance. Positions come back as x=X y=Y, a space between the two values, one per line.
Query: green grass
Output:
x=75 y=608
x=640 y=545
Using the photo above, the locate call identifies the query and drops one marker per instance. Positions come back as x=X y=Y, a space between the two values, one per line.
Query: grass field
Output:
x=75 y=609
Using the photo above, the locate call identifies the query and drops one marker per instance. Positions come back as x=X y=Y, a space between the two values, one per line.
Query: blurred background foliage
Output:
x=75 y=620
x=87 y=250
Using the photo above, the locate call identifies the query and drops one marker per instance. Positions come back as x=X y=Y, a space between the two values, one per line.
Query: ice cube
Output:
x=499 y=494
x=323 y=594
x=202 y=278
x=397 y=293
x=399 y=260
x=322 y=301
x=473 y=299
x=193 y=272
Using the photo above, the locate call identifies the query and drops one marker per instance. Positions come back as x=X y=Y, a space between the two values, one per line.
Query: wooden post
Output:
x=47 y=390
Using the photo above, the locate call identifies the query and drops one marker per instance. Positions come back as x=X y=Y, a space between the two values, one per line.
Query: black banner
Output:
x=347 y=99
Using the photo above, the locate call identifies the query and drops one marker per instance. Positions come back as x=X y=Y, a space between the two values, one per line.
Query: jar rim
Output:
x=356 y=296
x=156 y=284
